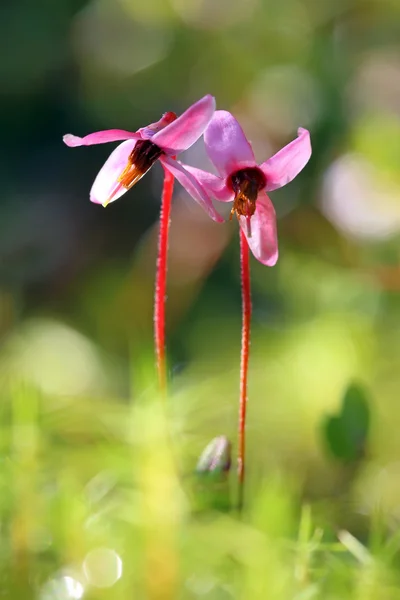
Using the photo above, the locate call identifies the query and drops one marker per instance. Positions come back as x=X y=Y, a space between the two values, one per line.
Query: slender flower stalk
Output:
x=244 y=362
x=244 y=182
x=160 y=292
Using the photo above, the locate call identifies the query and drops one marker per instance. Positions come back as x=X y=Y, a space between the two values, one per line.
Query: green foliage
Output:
x=346 y=433
x=95 y=499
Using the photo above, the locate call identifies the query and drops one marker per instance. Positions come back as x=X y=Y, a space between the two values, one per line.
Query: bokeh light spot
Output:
x=107 y=36
x=55 y=357
x=102 y=567
x=209 y=14
x=283 y=98
x=357 y=202
x=62 y=588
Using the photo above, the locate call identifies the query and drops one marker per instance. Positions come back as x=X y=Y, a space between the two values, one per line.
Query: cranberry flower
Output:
x=162 y=141
x=244 y=182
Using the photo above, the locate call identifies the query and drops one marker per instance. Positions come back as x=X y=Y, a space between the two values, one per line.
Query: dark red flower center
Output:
x=246 y=184
x=140 y=160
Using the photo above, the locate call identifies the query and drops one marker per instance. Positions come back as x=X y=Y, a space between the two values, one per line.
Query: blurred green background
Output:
x=98 y=496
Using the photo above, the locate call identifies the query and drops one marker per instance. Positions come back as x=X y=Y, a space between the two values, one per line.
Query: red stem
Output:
x=161 y=280
x=244 y=361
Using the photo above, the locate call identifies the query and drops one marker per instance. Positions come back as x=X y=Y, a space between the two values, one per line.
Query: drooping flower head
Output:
x=162 y=141
x=244 y=182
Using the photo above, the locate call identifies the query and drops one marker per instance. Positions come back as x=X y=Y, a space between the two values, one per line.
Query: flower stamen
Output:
x=246 y=185
x=140 y=160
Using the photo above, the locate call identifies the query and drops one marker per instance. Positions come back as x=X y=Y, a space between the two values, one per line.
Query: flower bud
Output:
x=216 y=456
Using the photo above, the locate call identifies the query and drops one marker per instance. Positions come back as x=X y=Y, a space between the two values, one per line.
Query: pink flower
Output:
x=140 y=150
x=244 y=182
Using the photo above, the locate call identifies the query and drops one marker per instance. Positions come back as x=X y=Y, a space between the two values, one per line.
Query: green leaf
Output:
x=337 y=440
x=356 y=415
x=346 y=433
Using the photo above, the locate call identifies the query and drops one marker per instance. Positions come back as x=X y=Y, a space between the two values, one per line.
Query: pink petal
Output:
x=106 y=188
x=227 y=145
x=264 y=240
x=215 y=186
x=146 y=133
x=191 y=185
x=288 y=162
x=100 y=137
x=186 y=130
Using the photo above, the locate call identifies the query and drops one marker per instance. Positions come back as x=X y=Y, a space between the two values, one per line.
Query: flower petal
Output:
x=227 y=145
x=283 y=167
x=186 y=130
x=146 y=133
x=106 y=187
x=263 y=241
x=191 y=185
x=215 y=186
x=100 y=137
